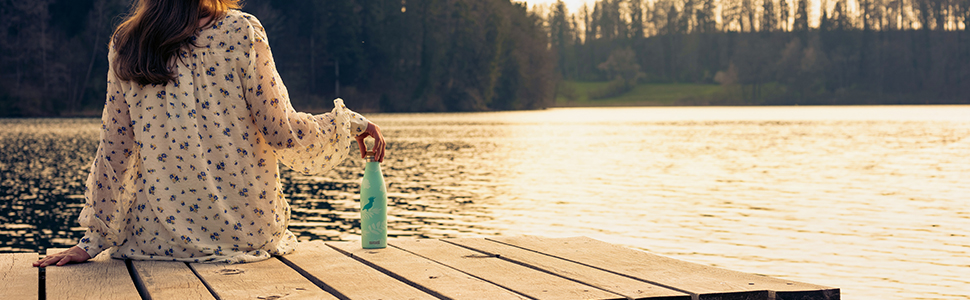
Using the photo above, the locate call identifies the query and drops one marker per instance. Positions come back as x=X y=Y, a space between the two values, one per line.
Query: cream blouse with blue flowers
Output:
x=188 y=170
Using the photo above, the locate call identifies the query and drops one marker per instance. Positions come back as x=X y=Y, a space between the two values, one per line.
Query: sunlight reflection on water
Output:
x=870 y=199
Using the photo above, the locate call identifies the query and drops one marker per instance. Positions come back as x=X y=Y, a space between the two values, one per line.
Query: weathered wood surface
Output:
x=628 y=287
x=530 y=282
x=18 y=277
x=685 y=276
x=169 y=280
x=468 y=268
x=436 y=278
x=268 y=279
x=347 y=276
x=100 y=278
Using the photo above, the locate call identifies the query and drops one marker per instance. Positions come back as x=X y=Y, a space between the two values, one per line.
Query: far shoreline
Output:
x=86 y=114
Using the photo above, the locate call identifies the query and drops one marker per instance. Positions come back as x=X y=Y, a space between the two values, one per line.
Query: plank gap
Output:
x=524 y=264
x=204 y=283
x=466 y=273
x=313 y=279
x=42 y=283
x=139 y=283
x=694 y=296
x=392 y=274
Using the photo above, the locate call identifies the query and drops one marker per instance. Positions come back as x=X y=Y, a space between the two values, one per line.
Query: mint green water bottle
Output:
x=373 y=209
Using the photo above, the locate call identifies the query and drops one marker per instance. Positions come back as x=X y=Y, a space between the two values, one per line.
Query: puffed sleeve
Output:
x=109 y=189
x=304 y=142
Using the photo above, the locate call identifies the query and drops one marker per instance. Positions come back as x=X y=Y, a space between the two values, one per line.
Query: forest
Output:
x=772 y=52
x=379 y=55
x=481 y=55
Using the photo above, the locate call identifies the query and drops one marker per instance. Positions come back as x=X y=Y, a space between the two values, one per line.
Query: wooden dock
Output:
x=468 y=268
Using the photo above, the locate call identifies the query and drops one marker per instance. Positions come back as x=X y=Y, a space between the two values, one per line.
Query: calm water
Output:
x=871 y=199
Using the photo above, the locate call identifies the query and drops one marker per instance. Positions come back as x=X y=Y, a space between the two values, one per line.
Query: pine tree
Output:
x=801 y=16
x=636 y=19
x=784 y=14
x=768 y=18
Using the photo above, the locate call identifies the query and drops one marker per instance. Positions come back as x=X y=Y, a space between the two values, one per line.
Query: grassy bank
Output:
x=576 y=93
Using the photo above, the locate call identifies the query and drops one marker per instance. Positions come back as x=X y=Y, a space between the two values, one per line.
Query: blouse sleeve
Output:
x=109 y=187
x=307 y=143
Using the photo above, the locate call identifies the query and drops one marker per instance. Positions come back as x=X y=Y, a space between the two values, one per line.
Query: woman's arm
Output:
x=304 y=142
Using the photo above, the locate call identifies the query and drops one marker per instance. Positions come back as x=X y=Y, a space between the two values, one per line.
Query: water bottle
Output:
x=373 y=205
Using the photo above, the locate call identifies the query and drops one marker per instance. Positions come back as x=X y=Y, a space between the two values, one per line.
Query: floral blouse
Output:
x=188 y=170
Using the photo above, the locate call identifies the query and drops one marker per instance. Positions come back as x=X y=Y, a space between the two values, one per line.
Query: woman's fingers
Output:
x=46 y=261
x=64 y=260
x=375 y=131
x=379 y=148
x=74 y=254
x=362 y=145
x=50 y=260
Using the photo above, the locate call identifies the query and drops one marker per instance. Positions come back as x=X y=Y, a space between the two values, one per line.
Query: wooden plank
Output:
x=690 y=277
x=628 y=287
x=99 y=278
x=428 y=275
x=268 y=279
x=169 y=280
x=18 y=276
x=521 y=279
x=346 y=276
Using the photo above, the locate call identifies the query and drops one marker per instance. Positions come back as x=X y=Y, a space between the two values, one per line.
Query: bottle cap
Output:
x=369 y=153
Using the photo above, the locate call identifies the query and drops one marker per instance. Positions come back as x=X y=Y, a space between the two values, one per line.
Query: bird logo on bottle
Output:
x=370 y=203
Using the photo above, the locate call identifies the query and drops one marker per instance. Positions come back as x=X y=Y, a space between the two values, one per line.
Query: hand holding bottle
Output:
x=372 y=131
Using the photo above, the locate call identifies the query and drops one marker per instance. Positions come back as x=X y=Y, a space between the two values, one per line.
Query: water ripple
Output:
x=868 y=199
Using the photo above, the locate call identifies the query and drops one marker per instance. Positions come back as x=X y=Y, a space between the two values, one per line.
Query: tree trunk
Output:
x=99 y=8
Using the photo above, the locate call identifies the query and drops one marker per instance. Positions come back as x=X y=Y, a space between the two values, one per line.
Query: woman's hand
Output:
x=373 y=131
x=75 y=254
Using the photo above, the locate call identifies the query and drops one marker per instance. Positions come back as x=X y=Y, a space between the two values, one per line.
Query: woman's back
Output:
x=192 y=131
x=208 y=142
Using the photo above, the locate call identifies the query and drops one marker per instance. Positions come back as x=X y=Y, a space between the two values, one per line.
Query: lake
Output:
x=870 y=199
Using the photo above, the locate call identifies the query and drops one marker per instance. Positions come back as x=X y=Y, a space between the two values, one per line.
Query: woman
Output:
x=195 y=121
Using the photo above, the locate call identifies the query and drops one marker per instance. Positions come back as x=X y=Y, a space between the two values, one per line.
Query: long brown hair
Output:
x=155 y=30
